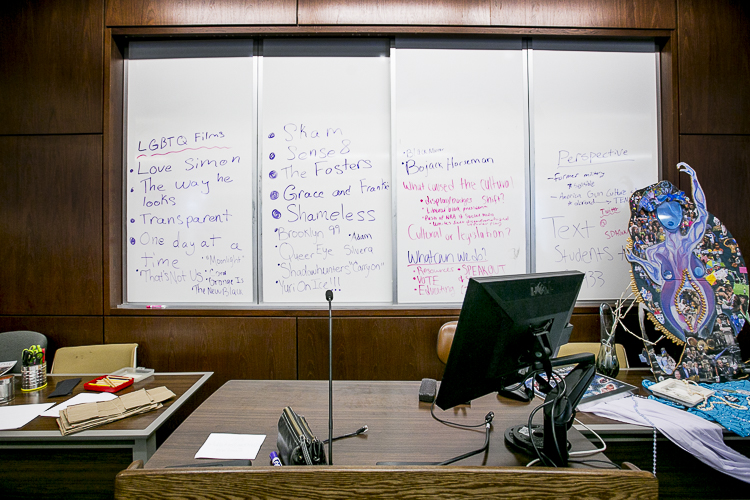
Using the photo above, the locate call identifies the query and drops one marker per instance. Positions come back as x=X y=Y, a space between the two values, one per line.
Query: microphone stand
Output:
x=329 y=298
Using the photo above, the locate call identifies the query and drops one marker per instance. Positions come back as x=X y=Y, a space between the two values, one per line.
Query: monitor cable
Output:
x=582 y=453
x=544 y=459
x=487 y=424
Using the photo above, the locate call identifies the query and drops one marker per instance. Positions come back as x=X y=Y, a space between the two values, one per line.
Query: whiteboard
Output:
x=594 y=132
x=189 y=175
x=460 y=164
x=325 y=172
x=388 y=175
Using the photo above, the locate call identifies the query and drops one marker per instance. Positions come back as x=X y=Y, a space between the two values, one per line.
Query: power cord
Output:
x=359 y=431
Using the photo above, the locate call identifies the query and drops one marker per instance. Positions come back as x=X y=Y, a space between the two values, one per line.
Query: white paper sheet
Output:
x=84 y=397
x=231 y=446
x=15 y=417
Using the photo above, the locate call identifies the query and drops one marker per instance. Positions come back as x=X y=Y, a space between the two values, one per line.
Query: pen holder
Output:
x=34 y=377
x=7 y=389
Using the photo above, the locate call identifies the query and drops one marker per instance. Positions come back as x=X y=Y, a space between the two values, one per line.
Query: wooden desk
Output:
x=37 y=460
x=400 y=427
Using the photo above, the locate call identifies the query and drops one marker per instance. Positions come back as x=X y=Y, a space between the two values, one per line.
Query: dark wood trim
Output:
x=114 y=71
x=211 y=31
x=670 y=141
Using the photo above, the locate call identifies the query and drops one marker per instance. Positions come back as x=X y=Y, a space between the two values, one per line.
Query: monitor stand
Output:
x=546 y=441
x=519 y=392
x=520 y=439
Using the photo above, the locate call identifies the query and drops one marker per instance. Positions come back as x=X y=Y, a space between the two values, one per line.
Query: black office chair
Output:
x=13 y=343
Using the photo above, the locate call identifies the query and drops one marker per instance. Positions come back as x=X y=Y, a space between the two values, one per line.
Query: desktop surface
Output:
x=400 y=427
x=39 y=462
x=46 y=427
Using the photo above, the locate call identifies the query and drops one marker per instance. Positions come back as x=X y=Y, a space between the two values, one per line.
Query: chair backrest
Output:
x=13 y=343
x=593 y=347
x=445 y=340
x=99 y=358
x=418 y=482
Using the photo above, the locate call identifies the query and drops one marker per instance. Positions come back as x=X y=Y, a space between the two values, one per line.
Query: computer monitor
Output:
x=508 y=329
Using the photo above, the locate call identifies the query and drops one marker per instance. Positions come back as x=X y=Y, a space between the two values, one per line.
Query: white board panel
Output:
x=325 y=179
x=460 y=169
x=189 y=180
x=595 y=136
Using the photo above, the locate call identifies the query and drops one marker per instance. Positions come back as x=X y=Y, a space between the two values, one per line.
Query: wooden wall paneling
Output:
x=51 y=67
x=113 y=167
x=61 y=331
x=51 y=225
x=670 y=138
x=644 y=14
x=364 y=348
x=232 y=348
x=722 y=164
x=714 y=39
x=394 y=12
x=199 y=12
x=585 y=327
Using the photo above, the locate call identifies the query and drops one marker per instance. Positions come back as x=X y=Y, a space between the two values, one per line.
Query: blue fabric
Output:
x=734 y=419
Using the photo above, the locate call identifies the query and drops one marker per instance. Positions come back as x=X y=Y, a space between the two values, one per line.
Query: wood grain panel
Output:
x=51 y=67
x=371 y=348
x=61 y=331
x=232 y=348
x=395 y=12
x=649 y=14
x=714 y=46
x=51 y=225
x=723 y=167
x=199 y=12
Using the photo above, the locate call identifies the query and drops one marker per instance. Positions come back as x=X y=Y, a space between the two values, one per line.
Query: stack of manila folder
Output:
x=78 y=418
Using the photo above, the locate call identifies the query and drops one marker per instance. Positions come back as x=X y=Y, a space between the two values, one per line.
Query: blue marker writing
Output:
x=275 y=460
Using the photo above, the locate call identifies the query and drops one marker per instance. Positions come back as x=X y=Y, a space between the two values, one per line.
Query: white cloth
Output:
x=697 y=436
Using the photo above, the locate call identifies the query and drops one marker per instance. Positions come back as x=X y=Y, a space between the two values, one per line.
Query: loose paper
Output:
x=84 y=397
x=15 y=417
x=231 y=446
